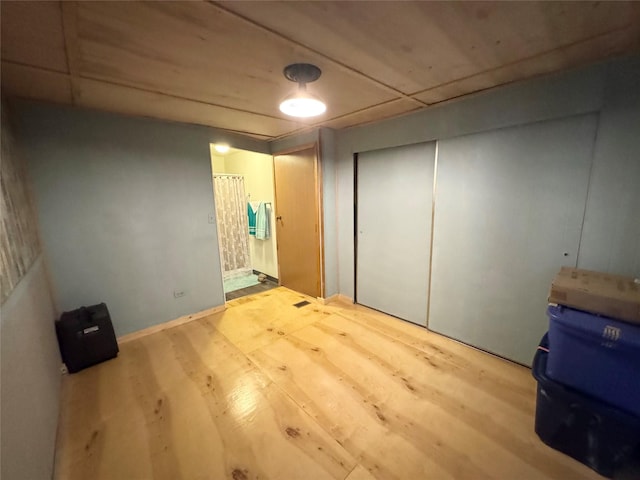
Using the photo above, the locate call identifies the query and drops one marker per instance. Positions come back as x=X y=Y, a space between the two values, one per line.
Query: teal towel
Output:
x=252 y=220
x=263 y=226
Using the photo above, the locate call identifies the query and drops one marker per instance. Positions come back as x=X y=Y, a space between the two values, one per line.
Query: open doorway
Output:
x=245 y=214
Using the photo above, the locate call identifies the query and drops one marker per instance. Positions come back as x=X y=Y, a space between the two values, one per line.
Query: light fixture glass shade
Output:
x=302 y=104
x=221 y=147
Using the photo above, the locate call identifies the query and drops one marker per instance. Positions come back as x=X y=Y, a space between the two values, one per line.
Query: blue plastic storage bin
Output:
x=602 y=437
x=597 y=355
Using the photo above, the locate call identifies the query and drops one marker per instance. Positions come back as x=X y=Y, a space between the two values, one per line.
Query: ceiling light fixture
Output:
x=302 y=103
x=221 y=147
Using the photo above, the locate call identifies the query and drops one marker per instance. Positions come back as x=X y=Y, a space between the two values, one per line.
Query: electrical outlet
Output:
x=178 y=293
x=212 y=218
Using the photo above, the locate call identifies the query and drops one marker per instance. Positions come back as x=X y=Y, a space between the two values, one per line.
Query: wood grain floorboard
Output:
x=270 y=391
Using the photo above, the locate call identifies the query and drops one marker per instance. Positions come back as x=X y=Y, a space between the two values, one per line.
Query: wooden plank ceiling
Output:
x=220 y=63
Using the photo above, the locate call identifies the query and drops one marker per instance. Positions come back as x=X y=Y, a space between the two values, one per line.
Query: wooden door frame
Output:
x=317 y=170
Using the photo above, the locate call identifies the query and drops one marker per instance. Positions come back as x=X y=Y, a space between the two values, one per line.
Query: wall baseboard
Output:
x=326 y=301
x=345 y=299
x=170 y=324
x=338 y=297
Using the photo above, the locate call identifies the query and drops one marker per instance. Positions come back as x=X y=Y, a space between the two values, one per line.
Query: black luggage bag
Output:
x=86 y=337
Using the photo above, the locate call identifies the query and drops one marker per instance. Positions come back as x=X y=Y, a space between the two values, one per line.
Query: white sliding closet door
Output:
x=508 y=213
x=394 y=203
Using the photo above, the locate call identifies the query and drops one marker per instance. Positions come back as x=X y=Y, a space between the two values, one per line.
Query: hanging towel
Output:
x=254 y=206
x=263 y=222
x=252 y=220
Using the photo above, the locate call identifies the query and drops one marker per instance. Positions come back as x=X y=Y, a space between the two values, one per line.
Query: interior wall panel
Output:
x=123 y=206
x=394 y=204
x=611 y=235
x=30 y=359
x=19 y=242
x=508 y=213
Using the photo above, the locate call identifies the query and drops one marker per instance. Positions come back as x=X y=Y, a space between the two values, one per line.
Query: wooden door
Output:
x=394 y=201
x=298 y=220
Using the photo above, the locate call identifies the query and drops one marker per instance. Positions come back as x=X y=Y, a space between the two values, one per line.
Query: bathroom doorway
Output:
x=245 y=204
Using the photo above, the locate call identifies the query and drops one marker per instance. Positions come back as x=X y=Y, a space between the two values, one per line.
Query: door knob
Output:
x=279 y=217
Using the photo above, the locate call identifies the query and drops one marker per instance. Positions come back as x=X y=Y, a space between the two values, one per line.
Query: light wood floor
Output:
x=268 y=390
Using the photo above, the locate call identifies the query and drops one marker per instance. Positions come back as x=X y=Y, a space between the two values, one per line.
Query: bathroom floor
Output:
x=242 y=292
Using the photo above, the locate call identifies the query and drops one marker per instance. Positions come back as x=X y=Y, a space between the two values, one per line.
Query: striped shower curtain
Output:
x=233 y=226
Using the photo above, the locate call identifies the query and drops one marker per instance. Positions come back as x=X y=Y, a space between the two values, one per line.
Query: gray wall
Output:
x=30 y=379
x=124 y=206
x=611 y=234
x=328 y=162
x=294 y=141
x=609 y=89
x=30 y=360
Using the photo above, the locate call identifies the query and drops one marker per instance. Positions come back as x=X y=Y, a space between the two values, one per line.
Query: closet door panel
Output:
x=394 y=204
x=508 y=213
